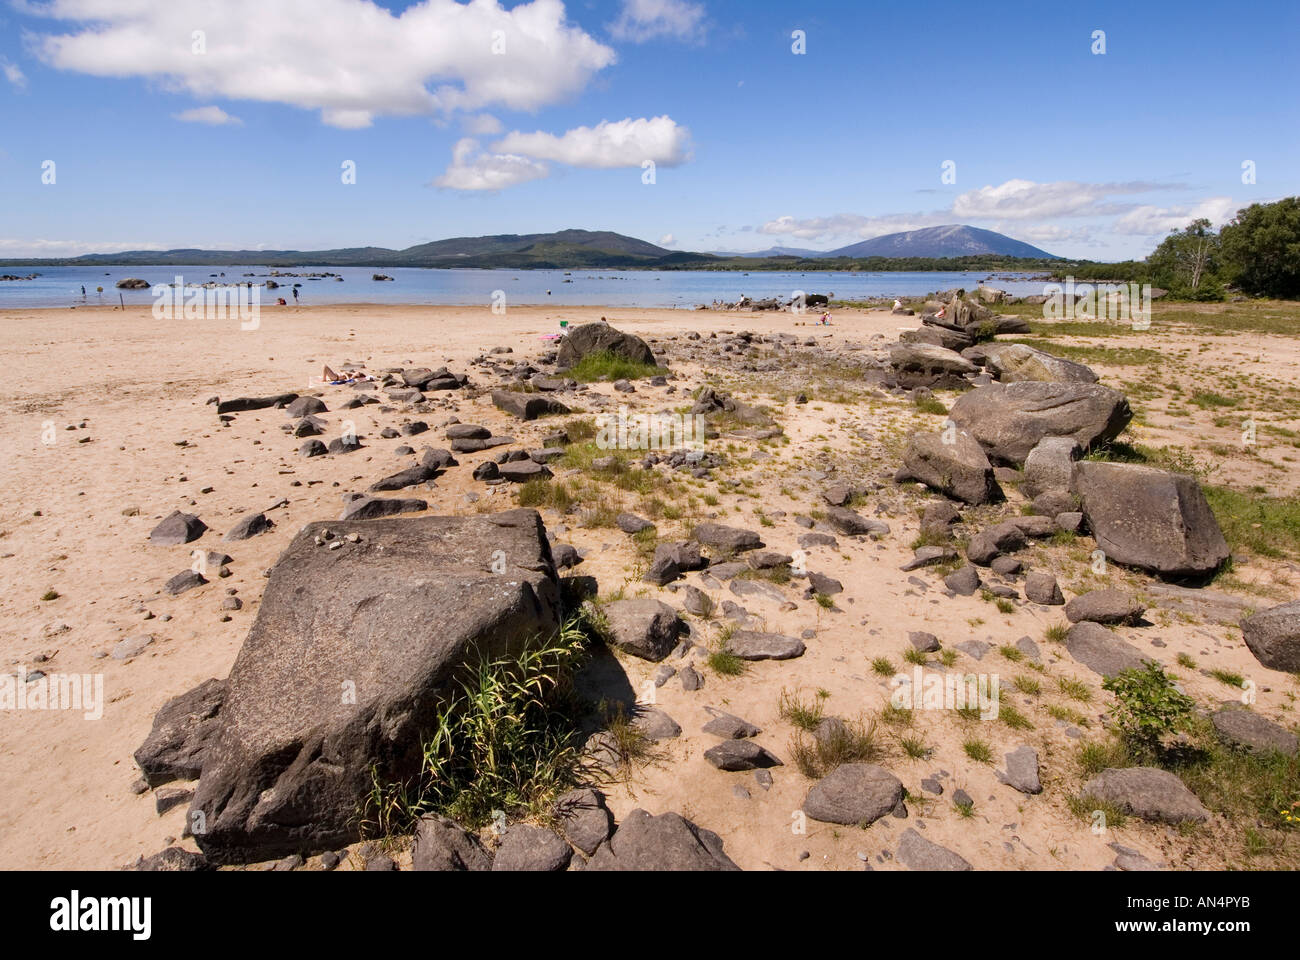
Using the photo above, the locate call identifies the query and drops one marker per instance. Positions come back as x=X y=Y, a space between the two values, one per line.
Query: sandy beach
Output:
x=125 y=399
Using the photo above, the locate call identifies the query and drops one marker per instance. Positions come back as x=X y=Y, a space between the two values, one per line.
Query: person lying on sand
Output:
x=330 y=377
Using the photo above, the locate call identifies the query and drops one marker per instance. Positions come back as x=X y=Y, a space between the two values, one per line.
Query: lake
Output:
x=61 y=286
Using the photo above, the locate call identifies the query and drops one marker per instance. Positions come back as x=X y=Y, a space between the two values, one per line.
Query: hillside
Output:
x=953 y=240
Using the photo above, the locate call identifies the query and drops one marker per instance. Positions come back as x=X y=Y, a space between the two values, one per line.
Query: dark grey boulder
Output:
x=1148 y=518
x=1006 y=537
x=963 y=582
x=409 y=477
x=853 y=524
x=177 y=528
x=1273 y=636
x=854 y=793
x=1041 y=587
x=917 y=853
x=928 y=365
x=740 y=755
x=1050 y=465
x=313 y=448
x=643 y=627
x=1102 y=651
x=584 y=819
x=442 y=844
x=241 y=404
x=667 y=842
x=959 y=469
x=1022 y=770
x=589 y=338
x=528 y=848
x=172 y=860
x=305 y=407
x=348 y=662
x=521 y=471
x=630 y=523
x=1104 y=606
x=1010 y=362
x=730 y=727
x=182 y=729
x=730 y=539
x=1009 y=420
x=467 y=431
x=754 y=645
x=1148 y=793
x=1253 y=733
x=183 y=581
x=527 y=406
x=249 y=526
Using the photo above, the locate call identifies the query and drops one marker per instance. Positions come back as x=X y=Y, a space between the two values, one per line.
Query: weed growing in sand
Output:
x=896 y=716
x=851 y=741
x=1011 y=653
x=607 y=365
x=1013 y=718
x=1056 y=633
x=725 y=663
x=793 y=709
x=1231 y=678
x=978 y=750
x=1074 y=689
x=1186 y=660
x=1027 y=685
x=947 y=657
x=882 y=667
x=916 y=657
x=914 y=747
x=1148 y=708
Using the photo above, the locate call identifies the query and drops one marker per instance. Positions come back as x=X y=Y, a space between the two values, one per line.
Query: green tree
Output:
x=1262 y=248
x=1187 y=263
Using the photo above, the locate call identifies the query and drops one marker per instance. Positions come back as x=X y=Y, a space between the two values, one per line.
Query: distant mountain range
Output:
x=567 y=249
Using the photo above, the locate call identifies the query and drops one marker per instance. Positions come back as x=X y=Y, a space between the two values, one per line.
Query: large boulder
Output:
x=348 y=662
x=1249 y=731
x=1102 y=651
x=643 y=627
x=527 y=406
x=917 y=853
x=1010 y=419
x=1010 y=362
x=1274 y=636
x=666 y=842
x=592 y=338
x=1104 y=606
x=1149 y=518
x=1050 y=465
x=724 y=538
x=854 y=794
x=1148 y=793
x=959 y=469
x=177 y=528
x=928 y=365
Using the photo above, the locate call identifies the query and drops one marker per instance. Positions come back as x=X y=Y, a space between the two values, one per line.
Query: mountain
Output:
x=953 y=240
x=563 y=249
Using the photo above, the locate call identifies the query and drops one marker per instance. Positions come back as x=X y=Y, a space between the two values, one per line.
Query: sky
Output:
x=1087 y=129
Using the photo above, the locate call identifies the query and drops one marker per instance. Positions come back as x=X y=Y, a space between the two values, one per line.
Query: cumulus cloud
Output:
x=13 y=73
x=642 y=20
x=623 y=143
x=667 y=240
x=212 y=116
x=850 y=226
x=14 y=248
x=483 y=125
x=350 y=59
x=1150 y=220
x=474 y=169
x=1027 y=200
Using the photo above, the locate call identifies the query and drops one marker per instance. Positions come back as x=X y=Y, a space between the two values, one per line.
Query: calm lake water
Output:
x=61 y=286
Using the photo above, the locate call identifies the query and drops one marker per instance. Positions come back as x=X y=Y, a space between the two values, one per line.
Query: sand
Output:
x=68 y=523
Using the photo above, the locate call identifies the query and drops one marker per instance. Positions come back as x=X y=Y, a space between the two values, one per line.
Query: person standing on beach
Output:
x=295 y=295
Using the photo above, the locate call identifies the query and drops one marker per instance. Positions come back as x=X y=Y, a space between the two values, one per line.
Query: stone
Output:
x=1049 y=466
x=584 y=819
x=442 y=844
x=396 y=614
x=917 y=853
x=992 y=541
x=963 y=582
x=695 y=601
x=521 y=471
x=177 y=528
x=241 y=404
x=684 y=553
x=588 y=338
x=373 y=508
x=131 y=647
x=730 y=727
x=527 y=406
x=1022 y=770
x=172 y=860
x=643 y=627
x=305 y=407
x=1101 y=650
x=853 y=794
x=1273 y=636
x=925 y=642
x=853 y=524
x=1253 y=733
x=168 y=798
x=467 y=431
x=740 y=755
x=530 y=848
x=182 y=729
x=724 y=538
x=1010 y=362
x=630 y=523
x=928 y=365
x=1010 y=420
x=409 y=477
x=1104 y=606
x=183 y=581
x=667 y=842
x=654 y=724
x=1007 y=567
x=1042 y=588
x=1148 y=793
x=753 y=645
x=249 y=526
x=959 y=469
x=313 y=448
x=1148 y=518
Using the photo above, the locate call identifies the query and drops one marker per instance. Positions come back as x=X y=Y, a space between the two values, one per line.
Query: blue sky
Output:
x=241 y=144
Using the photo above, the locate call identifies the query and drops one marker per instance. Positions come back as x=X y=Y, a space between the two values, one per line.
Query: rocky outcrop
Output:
x=1009 y=420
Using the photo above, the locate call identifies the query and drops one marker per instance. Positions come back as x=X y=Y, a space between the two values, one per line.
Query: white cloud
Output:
x=623 y=143
x=667 y=240
x=1149 y=220
x=483 y=125
x=212 y=116
x=1027 y=200
x=13 y=73
x=851 y=226
x=473 y=169
x=642 y=20
x=14 y=248
x=350 y=59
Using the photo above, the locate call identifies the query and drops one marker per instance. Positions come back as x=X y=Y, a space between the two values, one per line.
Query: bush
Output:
x=1148 y=707
x=1262 y=247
